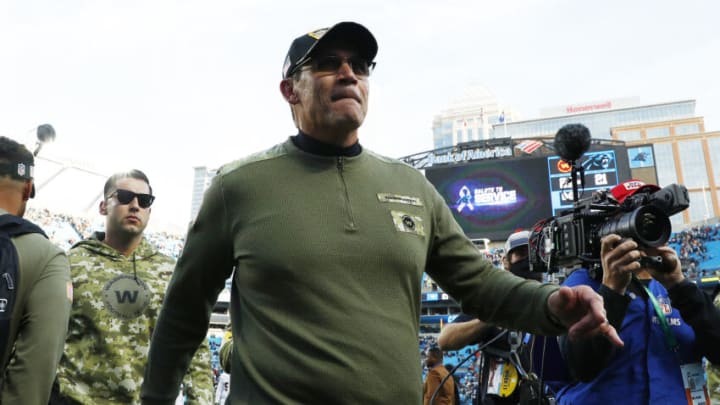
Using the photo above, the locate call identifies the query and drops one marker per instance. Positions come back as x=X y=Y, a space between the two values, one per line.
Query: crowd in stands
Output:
x=215 y=342
x=62 y=229
x=166 y=243
x=494 y=255
x=65 y=230
x=698 y=249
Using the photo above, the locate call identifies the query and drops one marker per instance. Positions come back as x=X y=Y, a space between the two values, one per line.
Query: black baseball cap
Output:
x=18 y=170
x=22 y=169
x=302 y=47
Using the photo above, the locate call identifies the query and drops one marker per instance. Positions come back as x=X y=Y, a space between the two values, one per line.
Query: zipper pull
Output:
x=340 y=162
x=9 y=281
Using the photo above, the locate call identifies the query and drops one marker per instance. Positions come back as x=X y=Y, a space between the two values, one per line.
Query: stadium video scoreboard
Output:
x=493 y=198
x=601 y=172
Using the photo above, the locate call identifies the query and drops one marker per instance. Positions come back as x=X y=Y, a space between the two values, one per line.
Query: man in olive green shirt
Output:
x=39 y=318
x=327 y=243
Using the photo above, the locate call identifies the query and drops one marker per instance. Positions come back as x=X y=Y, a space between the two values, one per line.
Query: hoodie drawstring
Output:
x=135 y=269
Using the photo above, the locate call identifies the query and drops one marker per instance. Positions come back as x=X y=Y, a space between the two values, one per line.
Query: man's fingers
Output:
x=560 y=301
x=591 y=320
x=594 y=321
x=608 y=243
x=611 y=334
x=579 y=331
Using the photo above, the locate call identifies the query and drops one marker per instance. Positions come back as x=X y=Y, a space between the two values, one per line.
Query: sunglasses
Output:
x=332 y=63
x=126 y=196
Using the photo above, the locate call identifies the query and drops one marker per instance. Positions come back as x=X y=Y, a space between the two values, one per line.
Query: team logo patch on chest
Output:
x=126 y=296
x=665 y=305
x=408 y=223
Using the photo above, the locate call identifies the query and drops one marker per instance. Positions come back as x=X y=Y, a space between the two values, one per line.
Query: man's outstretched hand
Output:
x=582 y=311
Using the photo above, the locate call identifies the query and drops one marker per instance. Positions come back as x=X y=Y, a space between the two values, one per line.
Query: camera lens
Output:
x=647 y=225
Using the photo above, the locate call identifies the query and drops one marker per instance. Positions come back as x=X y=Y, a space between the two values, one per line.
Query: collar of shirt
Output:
x=311 y=145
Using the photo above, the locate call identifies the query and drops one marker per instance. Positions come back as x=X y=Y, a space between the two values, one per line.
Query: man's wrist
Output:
x=672 y=281
x=676 y=282
x=614 y=288
x=554 y=319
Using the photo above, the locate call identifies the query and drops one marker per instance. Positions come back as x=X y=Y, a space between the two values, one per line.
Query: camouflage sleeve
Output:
x=199 y=377
x=199 y=276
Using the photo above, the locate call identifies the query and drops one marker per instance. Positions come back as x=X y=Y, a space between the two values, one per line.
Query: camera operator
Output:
x=667 y=323
x=536 y=354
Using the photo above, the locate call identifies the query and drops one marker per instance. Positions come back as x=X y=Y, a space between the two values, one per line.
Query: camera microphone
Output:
x=572 y=141
x=45 y=134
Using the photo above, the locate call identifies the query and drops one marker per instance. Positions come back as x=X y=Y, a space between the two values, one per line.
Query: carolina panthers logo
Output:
x=126 y=296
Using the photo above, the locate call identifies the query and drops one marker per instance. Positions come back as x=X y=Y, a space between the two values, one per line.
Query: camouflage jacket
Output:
x=713 y=371
x=117 y=300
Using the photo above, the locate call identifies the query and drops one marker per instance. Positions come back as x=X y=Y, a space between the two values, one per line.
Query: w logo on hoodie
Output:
x=126 y=296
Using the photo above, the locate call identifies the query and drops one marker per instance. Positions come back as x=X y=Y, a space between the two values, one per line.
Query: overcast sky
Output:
x=166 y=85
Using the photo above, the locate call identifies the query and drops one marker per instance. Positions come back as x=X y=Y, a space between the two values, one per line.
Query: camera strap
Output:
x=670 y=340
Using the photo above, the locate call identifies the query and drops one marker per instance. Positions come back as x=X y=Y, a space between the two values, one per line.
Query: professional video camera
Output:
x=632 y=209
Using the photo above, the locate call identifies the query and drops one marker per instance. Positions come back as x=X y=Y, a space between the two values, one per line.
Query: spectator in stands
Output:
x=456 y=387
x=327 y=243
x=223 y=388
x=35 y=290
x=667 y=323
x=119 y=282
x=436 y=373
x=537 y=354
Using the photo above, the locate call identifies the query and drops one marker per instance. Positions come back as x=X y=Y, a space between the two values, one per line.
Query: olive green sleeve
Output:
x=43 y=325
x=206 y=262
x=491 y=294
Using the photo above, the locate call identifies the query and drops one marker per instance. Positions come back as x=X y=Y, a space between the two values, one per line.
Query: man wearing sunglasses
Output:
x=327 y=243
x=35 y=290
x=119 y=280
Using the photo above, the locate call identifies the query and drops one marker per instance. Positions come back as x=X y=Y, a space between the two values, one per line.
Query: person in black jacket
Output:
x=535 y=353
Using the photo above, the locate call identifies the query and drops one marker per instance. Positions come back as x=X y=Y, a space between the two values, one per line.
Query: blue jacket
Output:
x=645 y=370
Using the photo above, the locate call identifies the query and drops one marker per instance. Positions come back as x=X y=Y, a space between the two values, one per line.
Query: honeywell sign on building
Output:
x=590 y=107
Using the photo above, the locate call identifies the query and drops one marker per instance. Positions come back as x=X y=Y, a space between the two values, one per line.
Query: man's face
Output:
x=126 y=219
x=430 y=359
x=331 y=100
